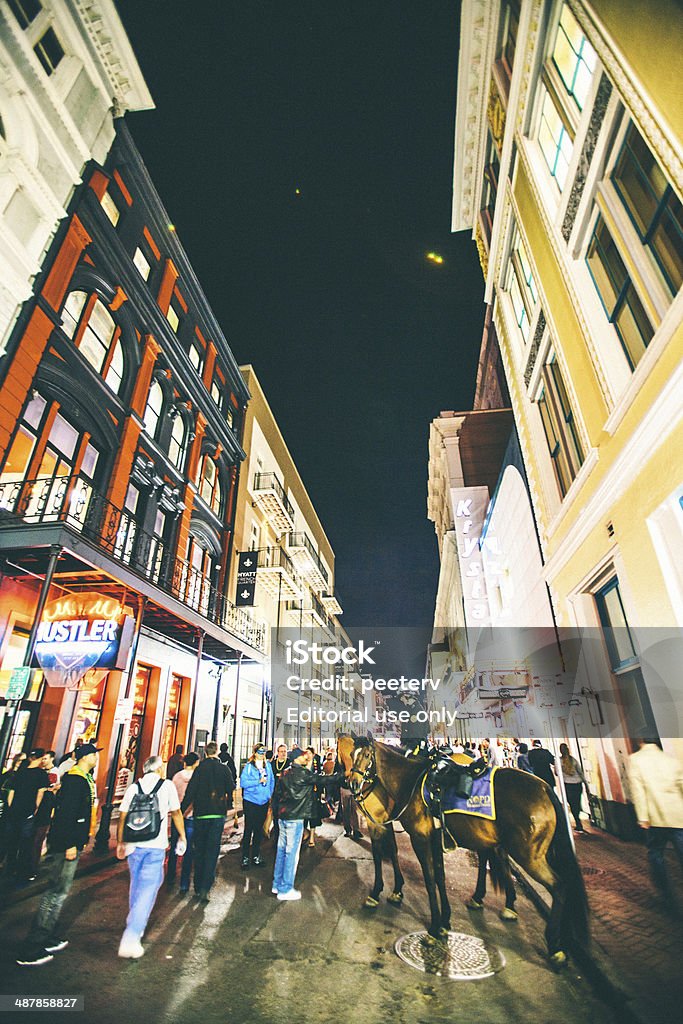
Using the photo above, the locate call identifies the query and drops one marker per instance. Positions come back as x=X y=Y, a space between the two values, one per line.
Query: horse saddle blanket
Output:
x=480 y=801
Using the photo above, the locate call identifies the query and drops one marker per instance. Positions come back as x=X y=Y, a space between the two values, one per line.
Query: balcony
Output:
x=309 y=611
x=276 y=574
x=72 y=502
x=306 y=560
x=331 y=604
x=272 y=501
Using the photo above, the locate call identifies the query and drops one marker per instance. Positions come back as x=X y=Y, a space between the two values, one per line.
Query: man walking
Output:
x=73 y=823
x=149 y=801
x=294 y=803
x=175 y=762
x=657 y=794
x=542 y=761
x=181 y=780
x=209 y=793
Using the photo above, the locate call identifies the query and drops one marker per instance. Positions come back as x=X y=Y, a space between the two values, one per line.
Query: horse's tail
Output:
x=562 y=860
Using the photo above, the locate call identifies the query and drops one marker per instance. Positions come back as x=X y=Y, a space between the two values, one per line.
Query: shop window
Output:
x=618 y=294
x=153 y=409
x=557 y=417
x=178 y=442
x=210 y=484
x=87 y=723
x=653 y=206
x=87 y=321
x=625 y=662
x=131 y=755
x=171 y=716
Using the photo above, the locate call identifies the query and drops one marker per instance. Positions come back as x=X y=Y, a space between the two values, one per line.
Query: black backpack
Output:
x=143 y=820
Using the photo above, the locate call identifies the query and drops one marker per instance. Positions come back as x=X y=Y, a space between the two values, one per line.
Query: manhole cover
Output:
x=460 y=957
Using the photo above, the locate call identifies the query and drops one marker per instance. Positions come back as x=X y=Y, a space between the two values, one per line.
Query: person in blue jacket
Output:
x=257 y=783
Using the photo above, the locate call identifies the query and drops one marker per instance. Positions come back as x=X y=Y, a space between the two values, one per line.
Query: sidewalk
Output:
x=637 y=940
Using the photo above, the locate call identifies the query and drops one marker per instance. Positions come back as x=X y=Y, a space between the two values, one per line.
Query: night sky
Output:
x=359 y=341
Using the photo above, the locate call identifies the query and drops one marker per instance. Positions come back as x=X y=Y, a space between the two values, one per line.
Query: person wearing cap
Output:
x=72 y=825
x=294 y=802
x=257 y=784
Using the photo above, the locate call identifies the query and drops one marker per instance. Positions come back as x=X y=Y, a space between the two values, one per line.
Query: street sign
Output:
x=246 y=578
x=19 y=679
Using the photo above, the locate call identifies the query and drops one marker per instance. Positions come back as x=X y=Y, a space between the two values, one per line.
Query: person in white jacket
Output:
x=657 y=793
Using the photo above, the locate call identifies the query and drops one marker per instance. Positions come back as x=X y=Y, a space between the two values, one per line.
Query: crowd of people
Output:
x=286 y=795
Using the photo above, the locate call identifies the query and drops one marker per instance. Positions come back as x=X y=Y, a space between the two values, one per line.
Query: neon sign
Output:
x=81 y=632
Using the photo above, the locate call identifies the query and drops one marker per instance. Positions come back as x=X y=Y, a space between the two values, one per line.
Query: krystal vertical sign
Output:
x=469 y=511
x=246 y=578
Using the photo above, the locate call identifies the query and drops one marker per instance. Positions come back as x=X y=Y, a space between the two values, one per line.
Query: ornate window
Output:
x=565 y=86
x=521 y=285
x=557 y=417
x=88 y=322
x=618 y=294
x=210 y=484
x=653 y=206
x=178 y=442
x=153 y=409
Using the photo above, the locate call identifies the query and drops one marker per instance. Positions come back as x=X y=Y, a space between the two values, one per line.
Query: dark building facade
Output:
x=121 y=407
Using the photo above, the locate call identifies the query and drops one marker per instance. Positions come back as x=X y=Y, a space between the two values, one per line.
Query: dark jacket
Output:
x=541 y=761
x=295 y=798
x=209 y=791
x=73 y=810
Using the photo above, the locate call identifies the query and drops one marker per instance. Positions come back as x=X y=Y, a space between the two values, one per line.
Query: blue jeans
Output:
x=657 y=839
x=287 y=859
x=146 y=868
x=207 y=846
x=188 y=856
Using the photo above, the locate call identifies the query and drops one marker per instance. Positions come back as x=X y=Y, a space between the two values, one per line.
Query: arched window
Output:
x=155 y=403
x=176 y=445
x=210 y=484
x=89 y=323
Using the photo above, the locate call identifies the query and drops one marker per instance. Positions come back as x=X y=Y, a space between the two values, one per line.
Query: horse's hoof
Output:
x=444 y=932
x=396 y=899
x=508 y=915
x=371 y=903
x=558 y=960
x=473 y=904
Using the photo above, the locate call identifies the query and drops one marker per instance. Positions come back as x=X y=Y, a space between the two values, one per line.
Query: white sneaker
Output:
x=131 y=949
x=275 y=891
x=293 y=894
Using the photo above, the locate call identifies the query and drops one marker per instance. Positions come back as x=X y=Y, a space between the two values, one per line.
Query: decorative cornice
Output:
x=478 y=23
x=109 y=39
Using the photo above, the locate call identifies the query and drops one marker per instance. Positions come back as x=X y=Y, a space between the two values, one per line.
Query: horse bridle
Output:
x=371 y=781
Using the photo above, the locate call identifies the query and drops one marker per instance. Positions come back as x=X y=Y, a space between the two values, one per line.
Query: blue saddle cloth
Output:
x=480 y=802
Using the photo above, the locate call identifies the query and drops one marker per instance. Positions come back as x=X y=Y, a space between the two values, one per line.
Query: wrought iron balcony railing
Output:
x=74 y=502
x=300 y=542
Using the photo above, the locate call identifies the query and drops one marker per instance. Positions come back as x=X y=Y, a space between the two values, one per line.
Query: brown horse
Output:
x=530 y=827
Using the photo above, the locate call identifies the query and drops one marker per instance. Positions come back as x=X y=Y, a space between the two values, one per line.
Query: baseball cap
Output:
x=85 y=749
x=297 y=752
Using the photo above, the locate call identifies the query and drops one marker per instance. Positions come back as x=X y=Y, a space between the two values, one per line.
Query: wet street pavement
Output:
x=247 y=958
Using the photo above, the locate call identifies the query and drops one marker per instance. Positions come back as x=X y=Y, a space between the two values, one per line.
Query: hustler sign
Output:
x=82 y=632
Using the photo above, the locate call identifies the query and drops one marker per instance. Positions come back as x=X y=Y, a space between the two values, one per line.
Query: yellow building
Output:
x=568 y=172
x=294 y=564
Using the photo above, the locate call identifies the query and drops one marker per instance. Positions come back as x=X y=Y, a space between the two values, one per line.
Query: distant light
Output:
x=434 y=257
x=171 y=227
x=297 y=191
